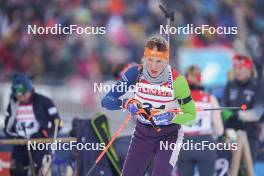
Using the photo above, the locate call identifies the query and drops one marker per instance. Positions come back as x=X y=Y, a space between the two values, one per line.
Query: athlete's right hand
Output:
x=136 y=108
x=132 y=109
x=132 y=105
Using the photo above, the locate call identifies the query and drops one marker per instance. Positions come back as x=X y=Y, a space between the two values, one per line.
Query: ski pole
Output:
x=35 y=140
x=242 y=107
x=153 y=124
x=31 y=162
x=148 y=115
x=57 y=123
x=122 y=126
x=169 y=17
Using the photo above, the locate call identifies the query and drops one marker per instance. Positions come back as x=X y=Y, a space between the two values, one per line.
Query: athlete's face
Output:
x=155 y=66
x=194 y=77
x=24 y=98
x=242 y=73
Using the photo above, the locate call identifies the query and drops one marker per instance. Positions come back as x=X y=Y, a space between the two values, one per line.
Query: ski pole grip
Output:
x=157 y=129
x=147 y=115
x=58 y=122
x=169 y=15
x=164 y=11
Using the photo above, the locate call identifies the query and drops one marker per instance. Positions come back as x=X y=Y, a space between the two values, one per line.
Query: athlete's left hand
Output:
x=164 y=116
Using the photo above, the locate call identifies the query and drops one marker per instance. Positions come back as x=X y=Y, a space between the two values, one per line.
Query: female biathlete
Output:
x=159 y=86
x=209 y=125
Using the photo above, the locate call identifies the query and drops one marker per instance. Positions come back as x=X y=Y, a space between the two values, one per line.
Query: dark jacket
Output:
x=249 y=93
x=45 y=112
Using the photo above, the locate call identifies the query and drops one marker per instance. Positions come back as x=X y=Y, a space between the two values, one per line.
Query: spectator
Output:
x=244 y=89
x=29 y=115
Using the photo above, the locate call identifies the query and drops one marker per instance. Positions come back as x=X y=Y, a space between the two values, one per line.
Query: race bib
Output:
x=26 y=124
x=203 y=120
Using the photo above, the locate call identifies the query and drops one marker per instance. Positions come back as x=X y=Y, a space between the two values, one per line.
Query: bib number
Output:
x=149 y=106
x=203 y=123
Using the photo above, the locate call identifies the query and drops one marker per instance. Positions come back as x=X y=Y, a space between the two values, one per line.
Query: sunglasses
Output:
x=18 y=90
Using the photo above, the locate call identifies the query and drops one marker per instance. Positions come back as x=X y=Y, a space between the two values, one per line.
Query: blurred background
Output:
x=65 y=67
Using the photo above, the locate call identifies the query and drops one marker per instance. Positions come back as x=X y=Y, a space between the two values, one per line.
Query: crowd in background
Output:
x=57 y=59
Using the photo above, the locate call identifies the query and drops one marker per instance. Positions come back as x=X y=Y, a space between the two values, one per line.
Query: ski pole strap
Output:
x=143 y=112
x=125 y=102
x=147 y=115
x=185 y=100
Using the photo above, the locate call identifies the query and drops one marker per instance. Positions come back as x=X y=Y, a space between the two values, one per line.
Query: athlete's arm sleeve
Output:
x=7 y=116
x=182 y=91
x=254 y=114
x=52 y=116
x=111 y=99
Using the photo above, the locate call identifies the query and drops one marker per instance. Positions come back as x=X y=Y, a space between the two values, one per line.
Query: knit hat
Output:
x=21 y=84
